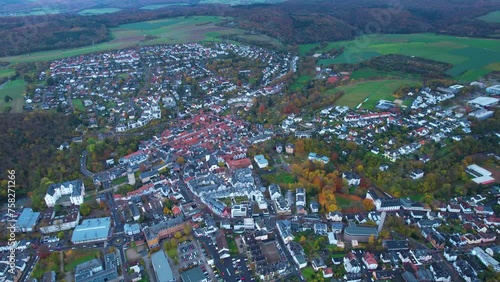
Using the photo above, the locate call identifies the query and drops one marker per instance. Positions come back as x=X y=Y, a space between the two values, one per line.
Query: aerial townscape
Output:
x=249 y=140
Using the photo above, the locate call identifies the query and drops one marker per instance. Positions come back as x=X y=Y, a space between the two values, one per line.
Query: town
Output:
x=197 y=201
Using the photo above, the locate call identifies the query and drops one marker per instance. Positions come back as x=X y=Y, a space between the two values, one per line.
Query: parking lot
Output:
x=190 y=255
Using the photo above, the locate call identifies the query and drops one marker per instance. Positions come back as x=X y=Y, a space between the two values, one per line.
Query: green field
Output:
x=159 y=6
x=15 y=89
x=76 y=257
x=88 y=12
x=4 y=72
x=471 y=58
x=300 y=82
x=164 y=31
x=308 y=273
x=493 y=17
x=376 y=90
x=78 y=105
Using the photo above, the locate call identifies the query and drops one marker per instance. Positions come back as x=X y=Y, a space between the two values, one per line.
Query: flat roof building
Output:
x=162 y=268
x=359 y=233
x=493 y=90
x=193 y=275
x=484 y=101
x=92 y=230
x=261 y=161
x=27 y=220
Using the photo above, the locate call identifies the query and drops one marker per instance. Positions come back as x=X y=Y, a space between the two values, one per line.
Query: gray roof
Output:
x=77 y=187
x=27 y=219
x=162 y=267
x=354 y=230
x=92 y=230
x=193 y=275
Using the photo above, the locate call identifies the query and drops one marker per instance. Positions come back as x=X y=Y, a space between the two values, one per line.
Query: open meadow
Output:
x=15 y=89
x=372 y=91
x=471 y=58
x=155 y=32
x=493 y=17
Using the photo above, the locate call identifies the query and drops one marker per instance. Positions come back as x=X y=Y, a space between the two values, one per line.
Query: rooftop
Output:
x=162 y=267
x=193 y=275
x=27 y=219
x=92 y=230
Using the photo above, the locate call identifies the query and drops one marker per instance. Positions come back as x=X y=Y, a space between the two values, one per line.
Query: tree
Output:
x=7 y=98
x=60 y=235
x=166 y=210
x=85 y=209
x=180 y=160
x=368 y=204
x=187 y=229
x=177 y=235
x=371 y=242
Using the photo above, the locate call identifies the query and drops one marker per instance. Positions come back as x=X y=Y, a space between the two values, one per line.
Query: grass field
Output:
x=346 y=201
x=471 y=58
x=76 y=257
x=88 y=12
x=78 y=105
x=308 y=273
x=376 y=90
x=159 y=6
x=231 y=243
x=15 y=89
x=300 y=82
x=165 y=31
x=47 y=264
x=493 y=17
x=280 y=177
x=4 y=72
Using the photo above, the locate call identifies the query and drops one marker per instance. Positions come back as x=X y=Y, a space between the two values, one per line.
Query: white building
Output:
x=261 y=161
x=74 y=189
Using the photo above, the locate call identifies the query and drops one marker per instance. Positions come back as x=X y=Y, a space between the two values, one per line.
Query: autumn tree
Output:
x=85 y=209
x=368 y=204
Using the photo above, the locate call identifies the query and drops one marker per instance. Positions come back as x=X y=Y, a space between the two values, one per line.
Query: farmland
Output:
x=164 y=31
x=15 y=89
x=160 y=6
x=471 y=57
x=376 y=90
x=493 y=17
x=88 y=12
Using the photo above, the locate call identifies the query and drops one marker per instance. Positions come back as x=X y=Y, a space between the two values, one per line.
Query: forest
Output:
x=30 y=147
x=292 y=22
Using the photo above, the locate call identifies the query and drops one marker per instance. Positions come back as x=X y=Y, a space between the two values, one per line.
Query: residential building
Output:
x=157 y=232
x=352 y=178
x=52 y=222
x=261 y=161
x=73 y=190
x=95 y=271
x=370 y=261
